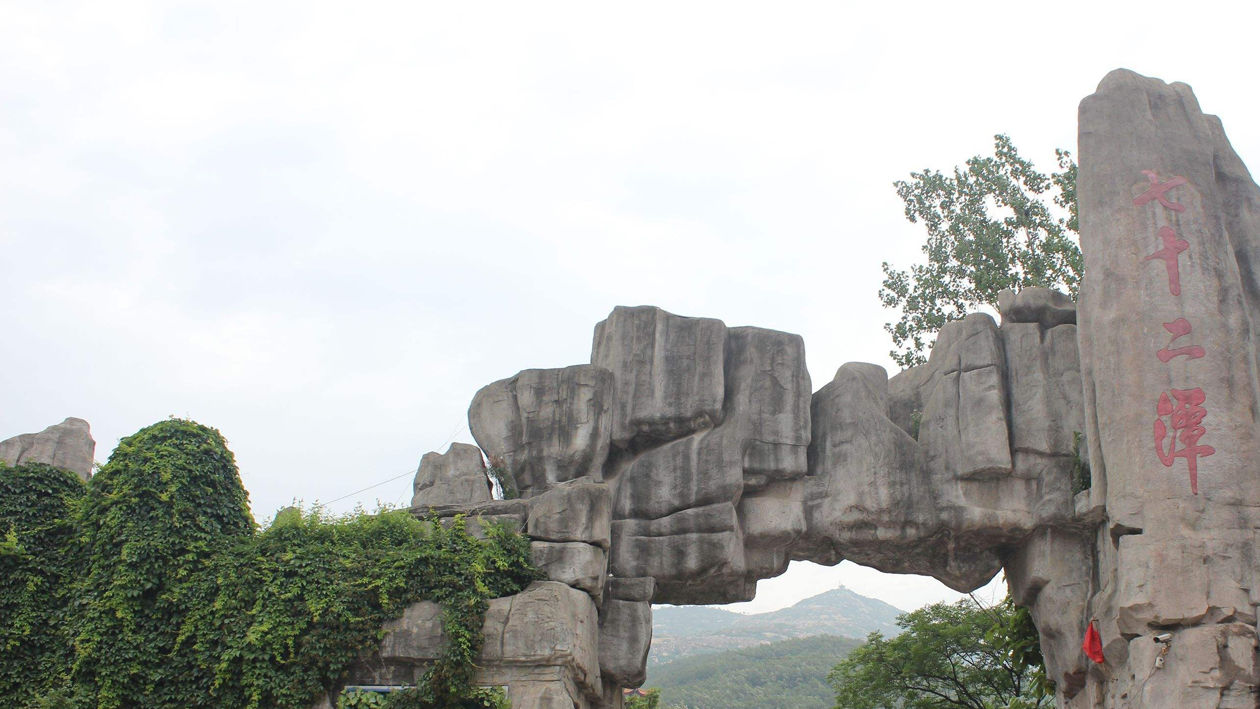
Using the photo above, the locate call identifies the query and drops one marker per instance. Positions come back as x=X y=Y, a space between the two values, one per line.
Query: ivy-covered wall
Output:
x=150 y=586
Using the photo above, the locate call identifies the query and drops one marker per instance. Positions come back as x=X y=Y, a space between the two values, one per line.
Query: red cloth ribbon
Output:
x=1093 y=644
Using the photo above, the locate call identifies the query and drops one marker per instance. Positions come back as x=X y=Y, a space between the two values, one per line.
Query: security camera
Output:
x=1163 y=637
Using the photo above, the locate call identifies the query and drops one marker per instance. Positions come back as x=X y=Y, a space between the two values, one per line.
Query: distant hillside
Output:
x=683 y=631
x=791 y=674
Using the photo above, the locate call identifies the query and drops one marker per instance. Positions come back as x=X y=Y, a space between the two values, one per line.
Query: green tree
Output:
x=788 y=674
x=991 y=226
x=651 y=699
x=167 y=500
x=958 y=655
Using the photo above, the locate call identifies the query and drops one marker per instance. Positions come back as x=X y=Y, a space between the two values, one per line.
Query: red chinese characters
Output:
x=1179 y=328
x=1186 y=425
x=1158 y=189
x=1173 y=246
x=1179 y=425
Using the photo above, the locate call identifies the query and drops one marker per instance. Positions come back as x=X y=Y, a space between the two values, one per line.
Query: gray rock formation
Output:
x=767 y=396
x=964 y=431
x=948 y=503
x=582 y=566
x=1049 y=574
x=545 y=425
x=720 y=467
x=868 y=496
x=1044 y=390
x=981 y=475
x=669 y=373
x=1170 y=229
x=625 y=636
x=542 y=643
x=737 y=408
x=577 y=511
x=690 y=460
x=455 y=477
x=700 y=432
x=67 y=445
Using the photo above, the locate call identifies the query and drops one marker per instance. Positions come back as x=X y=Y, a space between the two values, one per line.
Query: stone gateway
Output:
x=1103 y=453
x=1104 y=457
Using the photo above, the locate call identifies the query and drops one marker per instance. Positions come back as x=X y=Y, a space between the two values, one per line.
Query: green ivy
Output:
x=165 y=505
x=37 y=570
x=478 y=698
x=169 y=596
x=360 y=700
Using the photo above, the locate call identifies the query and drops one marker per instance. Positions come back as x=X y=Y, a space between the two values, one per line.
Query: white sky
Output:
x=322 y=227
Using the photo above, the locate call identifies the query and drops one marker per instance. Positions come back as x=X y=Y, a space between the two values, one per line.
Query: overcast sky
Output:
x=322 y=227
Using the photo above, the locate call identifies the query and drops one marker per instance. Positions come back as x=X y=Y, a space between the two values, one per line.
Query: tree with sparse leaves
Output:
x=959 y=655
x=997 y=223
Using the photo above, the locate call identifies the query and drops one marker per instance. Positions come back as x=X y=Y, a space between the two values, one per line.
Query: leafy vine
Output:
x=153 y=587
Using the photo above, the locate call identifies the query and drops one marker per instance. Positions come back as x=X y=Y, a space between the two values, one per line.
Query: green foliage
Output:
x=359 y=699
x=948 y=655
x=413 y=698
x=37 y=571
x=478 y=698
x=790 y=674
x=1014 y=632
x=990 y=227
x=487 y=698
x=651 y=699
x=182 y=602
x=1082 y=477
x=164 y=504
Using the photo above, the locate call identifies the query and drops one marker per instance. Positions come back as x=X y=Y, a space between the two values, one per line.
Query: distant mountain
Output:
x=690 y=630
x=791 y=674
x=689 y=621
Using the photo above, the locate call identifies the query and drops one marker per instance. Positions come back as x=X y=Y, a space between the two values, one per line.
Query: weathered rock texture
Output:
x=700 y=432
x=456 y=477
x=546 y=425
x=1170 y=229
x=67 y=445
x=701 y=467
x=691 y=460
x=1050 y=574
x=542 y=643
x=670 y=371
x=934 y=472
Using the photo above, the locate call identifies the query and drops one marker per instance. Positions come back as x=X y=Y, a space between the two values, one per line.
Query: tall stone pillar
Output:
x=1168 y=325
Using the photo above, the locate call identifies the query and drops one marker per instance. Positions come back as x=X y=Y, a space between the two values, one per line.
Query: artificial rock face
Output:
x=696 y=456
x=671 y=374
x=542 y=643
x=868 y=482
x=692 y=459
x=545 y=425
x=456 y=477
x=1170 y=230
x=67 y=445
x=701 y=468
x=922 y=474
x=699 y=431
